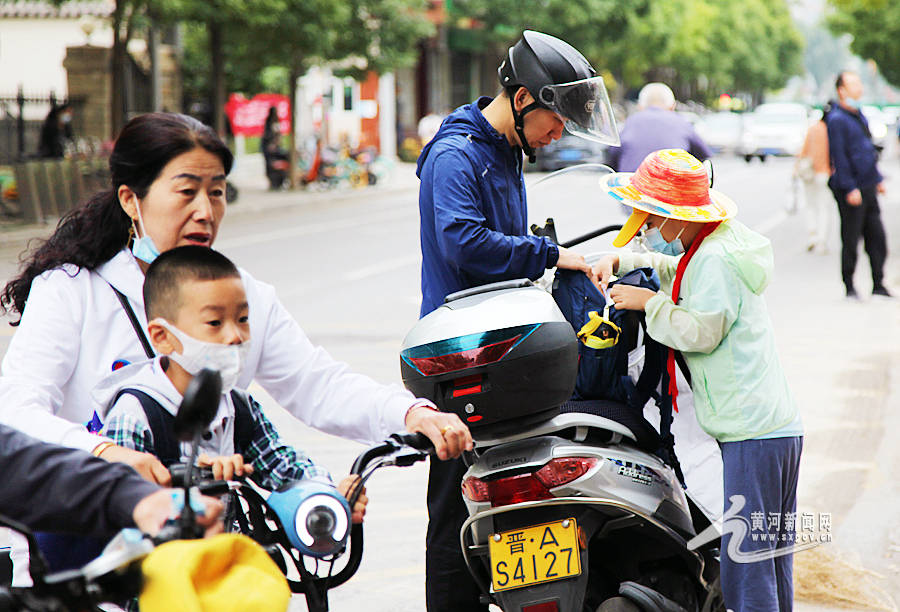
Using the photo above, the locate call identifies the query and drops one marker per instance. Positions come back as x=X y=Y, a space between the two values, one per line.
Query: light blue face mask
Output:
x=654 y=240
x=143 y=247
x=852 y=102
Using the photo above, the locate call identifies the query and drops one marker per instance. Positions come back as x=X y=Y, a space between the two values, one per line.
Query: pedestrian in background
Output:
x=56 y=132
x=655 y=126
x=813 y=168
x=856 y=183
x=274 y=156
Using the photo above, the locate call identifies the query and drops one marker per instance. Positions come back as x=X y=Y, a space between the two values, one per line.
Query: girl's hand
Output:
x=346 y=487
x=604 y=269
x=225 y=468
x=626 y=297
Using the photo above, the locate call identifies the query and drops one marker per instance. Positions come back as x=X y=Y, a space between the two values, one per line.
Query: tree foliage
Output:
x=875 y=27
x=699 y=47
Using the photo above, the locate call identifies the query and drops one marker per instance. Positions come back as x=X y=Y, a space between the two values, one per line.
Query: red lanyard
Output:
x=676 y=289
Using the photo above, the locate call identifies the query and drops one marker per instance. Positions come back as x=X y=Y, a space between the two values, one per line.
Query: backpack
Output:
x=606 y=337
x=162 y=424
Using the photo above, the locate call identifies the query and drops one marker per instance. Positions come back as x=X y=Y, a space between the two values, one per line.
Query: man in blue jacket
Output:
x=473 y=220
x=856 y=184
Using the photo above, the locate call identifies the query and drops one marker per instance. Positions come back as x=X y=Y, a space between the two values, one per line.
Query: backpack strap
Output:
x=243 y=421
x=161 y=423
x=640 y=392
x=142 y=337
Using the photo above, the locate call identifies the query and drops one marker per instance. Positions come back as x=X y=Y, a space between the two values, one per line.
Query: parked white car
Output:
x=879 y=124
x=774 y=129
x=721 y=131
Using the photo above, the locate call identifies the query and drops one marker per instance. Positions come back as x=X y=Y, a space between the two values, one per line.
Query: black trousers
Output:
x=863 y=221
x=449 y=587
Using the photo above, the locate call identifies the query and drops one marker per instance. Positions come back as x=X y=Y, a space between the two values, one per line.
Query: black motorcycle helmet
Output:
x=560 y=79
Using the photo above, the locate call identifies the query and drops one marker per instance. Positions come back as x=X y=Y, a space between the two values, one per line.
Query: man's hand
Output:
x=145 y=464
x=881 y=187
x=225 y=468
x=854 y=198
x=345 y=486
x=449 y=435
x=605 y=268
x=570 y=260
x=627 y=297
x=154 y=510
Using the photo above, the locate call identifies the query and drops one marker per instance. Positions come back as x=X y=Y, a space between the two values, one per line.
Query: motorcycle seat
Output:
x=592 y=417
x=639 y=430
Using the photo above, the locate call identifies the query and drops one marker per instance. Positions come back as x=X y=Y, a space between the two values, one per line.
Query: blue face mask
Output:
x=852 y=102
x=143 y=247
x=654 y=240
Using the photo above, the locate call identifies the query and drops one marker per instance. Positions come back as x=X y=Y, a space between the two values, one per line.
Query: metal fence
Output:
x=20 y=130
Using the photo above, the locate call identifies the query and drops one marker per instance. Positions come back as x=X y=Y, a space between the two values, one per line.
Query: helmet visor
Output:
x=585 y=107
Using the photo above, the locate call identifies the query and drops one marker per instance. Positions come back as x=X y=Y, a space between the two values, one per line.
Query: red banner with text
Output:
x=248 y=117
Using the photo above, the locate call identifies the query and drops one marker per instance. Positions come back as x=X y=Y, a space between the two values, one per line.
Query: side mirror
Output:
x=199 y=406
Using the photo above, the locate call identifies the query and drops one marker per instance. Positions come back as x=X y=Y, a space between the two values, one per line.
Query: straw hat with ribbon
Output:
x=669 y=183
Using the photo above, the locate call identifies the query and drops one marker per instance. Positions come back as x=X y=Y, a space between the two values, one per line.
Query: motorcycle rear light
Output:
x=462 y=360
x=467 y=351
x=515 y=489
x=550 y=606
x=476 y=489
x=563 y=470
x=468 y=385
x=528 y=487
x=505 y=491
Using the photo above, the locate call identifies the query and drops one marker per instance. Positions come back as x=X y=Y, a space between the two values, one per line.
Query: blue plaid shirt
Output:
x=274 y=462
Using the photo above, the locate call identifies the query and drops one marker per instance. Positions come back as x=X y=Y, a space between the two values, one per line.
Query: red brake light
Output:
x=515 y=489
x=558 y=472
x=528 y=487
x=475 y=489
x=452 y=362
x=550 y=606
x=505 y=491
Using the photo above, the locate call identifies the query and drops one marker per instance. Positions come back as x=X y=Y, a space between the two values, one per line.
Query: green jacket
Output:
x=722 y=327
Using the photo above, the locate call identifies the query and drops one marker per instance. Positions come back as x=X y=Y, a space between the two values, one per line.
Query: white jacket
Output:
x=74 y=329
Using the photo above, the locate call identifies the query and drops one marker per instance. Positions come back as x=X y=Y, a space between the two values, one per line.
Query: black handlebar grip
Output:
x=418 y=441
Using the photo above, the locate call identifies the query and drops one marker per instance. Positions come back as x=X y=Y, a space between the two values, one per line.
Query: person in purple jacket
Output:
x=655 y=126
x=856 y=183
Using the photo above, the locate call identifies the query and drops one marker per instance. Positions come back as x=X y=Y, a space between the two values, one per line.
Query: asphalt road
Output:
x=347 y=265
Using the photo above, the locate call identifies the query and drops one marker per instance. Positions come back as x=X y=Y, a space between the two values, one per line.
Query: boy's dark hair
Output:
x=169 y=271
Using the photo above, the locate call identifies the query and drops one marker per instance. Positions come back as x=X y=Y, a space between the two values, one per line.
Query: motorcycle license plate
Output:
x=532 y=555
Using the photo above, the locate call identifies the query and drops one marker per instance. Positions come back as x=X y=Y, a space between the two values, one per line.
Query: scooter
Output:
x=305 y=521
x=569 y=509
x=115 y=576
x=305 y=526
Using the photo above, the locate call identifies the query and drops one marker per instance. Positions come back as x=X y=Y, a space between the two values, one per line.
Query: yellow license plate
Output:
x=534 y=554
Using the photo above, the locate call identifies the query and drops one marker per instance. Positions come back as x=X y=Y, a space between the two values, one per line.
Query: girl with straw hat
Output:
x=710 y=307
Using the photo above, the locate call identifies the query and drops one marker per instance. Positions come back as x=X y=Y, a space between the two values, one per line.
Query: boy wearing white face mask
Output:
x=197 y=310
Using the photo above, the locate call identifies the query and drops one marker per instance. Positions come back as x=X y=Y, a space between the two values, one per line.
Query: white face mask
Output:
x=227 y=359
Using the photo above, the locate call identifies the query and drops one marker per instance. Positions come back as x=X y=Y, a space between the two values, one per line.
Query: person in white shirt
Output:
x=77 y=288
